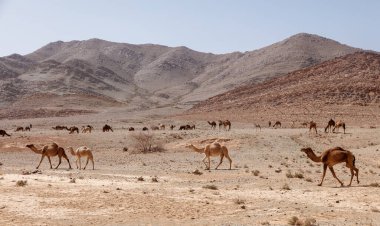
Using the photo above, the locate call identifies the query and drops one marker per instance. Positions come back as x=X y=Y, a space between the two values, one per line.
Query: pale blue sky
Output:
x=216 y=26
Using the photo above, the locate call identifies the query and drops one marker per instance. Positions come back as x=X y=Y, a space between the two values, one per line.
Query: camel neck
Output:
x=313 y=157
x=34 y=149
x=200 y=150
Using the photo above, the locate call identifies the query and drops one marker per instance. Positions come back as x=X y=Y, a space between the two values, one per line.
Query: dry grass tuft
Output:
x=256 y=172
x=145 y=143
x=21 y=183
x=286 y=187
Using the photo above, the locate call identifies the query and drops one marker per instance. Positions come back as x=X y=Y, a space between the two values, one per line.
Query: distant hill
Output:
x=153 y=75
x=334 y=88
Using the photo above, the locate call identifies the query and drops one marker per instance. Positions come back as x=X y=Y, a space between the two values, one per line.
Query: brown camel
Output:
x=131 y=129
x=60 y=128
x=107 y=128
x=162 y=126
x=4 y=133
x=304 y=124
x=27 y=128
x=225 y=124
x=277 y=124
x=330 y=126
x=145 y=129
x=20 y=128
x=214 y=149
x=331 y=157
x=212 y=124
x=73 y=129
x=172 y=127
x=340 y=124
x=82 y=152
x=313 y=125
x=154 y=128
x=50 y=150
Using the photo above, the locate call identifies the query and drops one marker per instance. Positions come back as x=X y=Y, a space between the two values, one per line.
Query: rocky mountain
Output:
x=153 y=75
x=335 y=87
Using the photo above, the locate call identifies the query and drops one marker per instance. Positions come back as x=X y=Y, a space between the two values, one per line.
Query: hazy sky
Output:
x=217 y=26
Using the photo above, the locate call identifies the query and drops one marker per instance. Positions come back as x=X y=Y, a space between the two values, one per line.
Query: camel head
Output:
x=30 y=146
x=306 y=150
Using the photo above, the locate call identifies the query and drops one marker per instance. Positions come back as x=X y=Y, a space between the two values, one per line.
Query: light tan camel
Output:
x=154 y=128
x=86 y=129
x=82 y=152
x=162 y=126
x=214 y=149
x=50 y=150
x=257 y=126
x=313 y=125
x=330 y=126
x=340 y=124
x=331 y=157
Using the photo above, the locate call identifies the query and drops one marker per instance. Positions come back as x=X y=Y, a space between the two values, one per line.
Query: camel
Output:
x=4 y=133
x=60 y=127
x=86 y=129
x=20 y=128
x=257 y=126
x=225 y=124
x=269 y=124
x=154 y=128
x=107 y=128
x=277 y=124
x=331 y=157
x=162 y=126
x=73 y=129
x=313 y=125
x=27 y=128
x=82 y=152
x=172 y=127
x=330 y=126
x=340 y=124
x=145 y=129
x=304 y=124
x=182 y=127
x=191 y=127
x=131 y=129
x=214 y=149
x=50 y=150
x=212 y=124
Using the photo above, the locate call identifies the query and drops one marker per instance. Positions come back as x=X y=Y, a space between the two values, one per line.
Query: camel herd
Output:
x=329 y=158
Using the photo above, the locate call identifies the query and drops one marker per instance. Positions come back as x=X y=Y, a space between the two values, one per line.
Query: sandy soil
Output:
x=112 y=194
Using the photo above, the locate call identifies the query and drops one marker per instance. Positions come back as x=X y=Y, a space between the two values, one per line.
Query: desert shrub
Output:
x=298 y=175
x=140 y=179
x=21 y=183
x=145 y=143
x=256 y=172
x=289 y=174
x=286 y=187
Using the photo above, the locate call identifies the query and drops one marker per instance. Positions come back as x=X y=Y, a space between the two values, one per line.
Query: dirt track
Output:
x=111 y=194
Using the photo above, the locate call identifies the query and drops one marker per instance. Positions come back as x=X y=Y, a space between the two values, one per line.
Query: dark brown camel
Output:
x=20 y=128
x=212 y=124
x=107 y=128
x=4 y=133
x=131 y=129
x=277 y=124
x=330 y=126
x=73 y=129
x=331 y=157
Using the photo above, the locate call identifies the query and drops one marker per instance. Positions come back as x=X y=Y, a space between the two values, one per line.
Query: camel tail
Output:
x=7 y=134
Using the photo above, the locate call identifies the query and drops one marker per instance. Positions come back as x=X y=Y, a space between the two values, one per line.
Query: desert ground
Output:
x=271 y=180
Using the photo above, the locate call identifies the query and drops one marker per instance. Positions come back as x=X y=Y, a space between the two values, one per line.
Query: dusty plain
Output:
x=259 y=190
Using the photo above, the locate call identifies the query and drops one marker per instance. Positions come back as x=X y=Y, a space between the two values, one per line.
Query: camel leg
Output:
x=333 y=173
x=221 y=160
x=352 y=176
x=86 y=164
x=323 y=175
x=59 y=162
x=229 y=159
x=80 y=163
x=209 y=163
x=93 y=167
x=76 y=162
x=357 y=174
x=42 y=158
x=204 y=161
x=68 y=161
